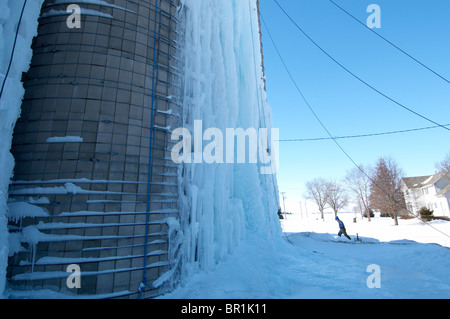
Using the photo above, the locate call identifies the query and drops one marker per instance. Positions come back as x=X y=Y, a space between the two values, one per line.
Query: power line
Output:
x=144 y=282
x=360 y=135
x=333 y=138
x=389 y=42
x=354 y=75
x=303 y=96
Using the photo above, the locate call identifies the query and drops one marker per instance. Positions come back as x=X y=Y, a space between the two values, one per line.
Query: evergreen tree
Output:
x=426 y=214
x=386 y=194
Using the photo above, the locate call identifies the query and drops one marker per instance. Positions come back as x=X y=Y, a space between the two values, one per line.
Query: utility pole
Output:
x=301 y=211
x=284 y=205
x=306 y=210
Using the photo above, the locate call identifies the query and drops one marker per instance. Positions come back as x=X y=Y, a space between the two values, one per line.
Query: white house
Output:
x=432 y=192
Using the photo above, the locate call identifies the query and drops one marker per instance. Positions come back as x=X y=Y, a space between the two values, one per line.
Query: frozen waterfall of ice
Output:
x=222 y=204
x=11 y=99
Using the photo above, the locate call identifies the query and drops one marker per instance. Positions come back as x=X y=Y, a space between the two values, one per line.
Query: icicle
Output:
x=31 y=235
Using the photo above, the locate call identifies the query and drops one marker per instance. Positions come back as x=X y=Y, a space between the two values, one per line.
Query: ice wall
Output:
x=11 y=98
x=223 y=203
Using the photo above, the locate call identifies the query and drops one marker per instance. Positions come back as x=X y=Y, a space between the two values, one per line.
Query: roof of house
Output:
x=421 y=181
x=434 y=178
x=444 y=191
x=415 y=182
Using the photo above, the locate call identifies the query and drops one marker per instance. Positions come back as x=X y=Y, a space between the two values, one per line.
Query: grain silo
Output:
x=94 y=185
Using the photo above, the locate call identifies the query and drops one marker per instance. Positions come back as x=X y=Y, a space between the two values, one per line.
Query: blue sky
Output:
x=345 y=105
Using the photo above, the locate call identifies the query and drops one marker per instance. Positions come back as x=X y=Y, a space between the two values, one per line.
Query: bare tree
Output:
x=317 y=191
x=444 y=165
x=386 y=194
x=358 y=181
x=337 y=197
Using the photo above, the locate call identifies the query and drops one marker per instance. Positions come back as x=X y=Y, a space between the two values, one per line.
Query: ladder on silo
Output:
x=165 y=180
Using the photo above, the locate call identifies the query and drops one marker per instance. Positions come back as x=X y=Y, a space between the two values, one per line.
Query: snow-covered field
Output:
x=310 y=262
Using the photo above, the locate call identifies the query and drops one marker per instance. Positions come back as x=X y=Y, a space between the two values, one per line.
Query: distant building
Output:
x=432 y=191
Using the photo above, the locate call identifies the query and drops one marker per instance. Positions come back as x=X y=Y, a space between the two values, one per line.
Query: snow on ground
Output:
x=309 y=262
x=382 y=229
